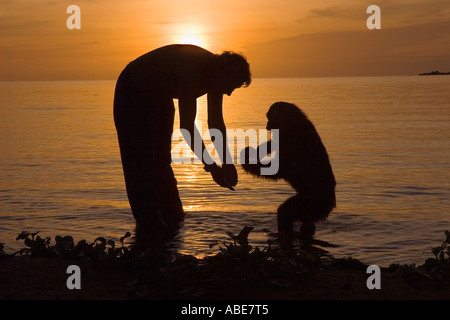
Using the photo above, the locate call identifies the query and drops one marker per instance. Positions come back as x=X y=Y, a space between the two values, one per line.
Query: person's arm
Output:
x=188 y=111
x=215 y=121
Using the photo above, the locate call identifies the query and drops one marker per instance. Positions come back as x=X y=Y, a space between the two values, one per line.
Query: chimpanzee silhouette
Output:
x=304 y=164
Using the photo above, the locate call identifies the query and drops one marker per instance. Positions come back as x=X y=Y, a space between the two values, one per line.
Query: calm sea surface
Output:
x=388 y=139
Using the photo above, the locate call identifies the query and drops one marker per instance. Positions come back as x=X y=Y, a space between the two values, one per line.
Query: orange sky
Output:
x=280 y=38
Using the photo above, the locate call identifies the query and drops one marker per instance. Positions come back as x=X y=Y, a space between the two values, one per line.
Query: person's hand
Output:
x=231 y=171
x=220 y=176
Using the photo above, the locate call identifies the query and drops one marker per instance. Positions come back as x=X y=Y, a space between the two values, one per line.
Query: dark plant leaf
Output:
x=436 y=251
x=111 y=243
x=242 y=237
x=22 y=235
x=33 y=234
x=68 y=239
x=128 y=234
x=28 y=242
x=231 y=235
x=101 y=239
x=211 y=245
x=82 y=243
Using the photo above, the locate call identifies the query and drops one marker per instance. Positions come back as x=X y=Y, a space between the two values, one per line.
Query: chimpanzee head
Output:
x=285 y=115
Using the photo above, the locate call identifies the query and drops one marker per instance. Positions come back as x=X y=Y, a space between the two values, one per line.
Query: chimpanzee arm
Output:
x=251 y=163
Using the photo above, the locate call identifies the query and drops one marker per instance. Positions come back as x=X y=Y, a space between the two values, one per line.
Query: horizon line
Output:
x=260 y=78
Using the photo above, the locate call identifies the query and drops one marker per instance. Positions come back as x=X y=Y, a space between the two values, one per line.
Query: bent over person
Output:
x=144 y=115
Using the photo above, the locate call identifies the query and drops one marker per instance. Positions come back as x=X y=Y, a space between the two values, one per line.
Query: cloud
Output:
x=351 y=15
x=349 y=11
x=402 y=50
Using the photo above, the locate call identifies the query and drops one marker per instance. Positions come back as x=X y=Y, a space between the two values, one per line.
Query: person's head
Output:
x=233 y=71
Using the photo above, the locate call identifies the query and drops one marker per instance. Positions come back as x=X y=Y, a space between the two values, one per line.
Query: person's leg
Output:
x=169 y=199
x=133 y=121
x=144 y=127
x=138 y=153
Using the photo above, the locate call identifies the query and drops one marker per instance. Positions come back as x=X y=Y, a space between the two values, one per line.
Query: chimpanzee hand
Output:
x=248 y=156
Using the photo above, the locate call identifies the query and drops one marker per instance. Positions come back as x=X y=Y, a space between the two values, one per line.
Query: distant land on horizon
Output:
x=434 y=73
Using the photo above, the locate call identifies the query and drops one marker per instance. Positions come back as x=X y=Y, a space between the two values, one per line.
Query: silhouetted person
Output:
x=144 y=115
x=304 y=163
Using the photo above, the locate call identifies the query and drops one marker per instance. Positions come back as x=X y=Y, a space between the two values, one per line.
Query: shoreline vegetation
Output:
x=116 y=271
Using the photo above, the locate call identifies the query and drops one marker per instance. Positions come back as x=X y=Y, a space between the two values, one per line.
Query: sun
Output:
x=189 y=34
x=191 y=39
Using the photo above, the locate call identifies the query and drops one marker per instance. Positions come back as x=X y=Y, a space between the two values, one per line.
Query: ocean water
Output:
x=388 y=139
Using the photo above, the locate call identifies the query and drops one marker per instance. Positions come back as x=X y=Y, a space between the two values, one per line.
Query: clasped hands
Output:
x=225 y=176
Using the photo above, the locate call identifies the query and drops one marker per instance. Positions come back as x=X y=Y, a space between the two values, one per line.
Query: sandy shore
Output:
x=114 y=271
x=45 y=279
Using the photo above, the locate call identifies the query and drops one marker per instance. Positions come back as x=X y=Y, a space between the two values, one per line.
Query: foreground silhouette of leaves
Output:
x=237 y=270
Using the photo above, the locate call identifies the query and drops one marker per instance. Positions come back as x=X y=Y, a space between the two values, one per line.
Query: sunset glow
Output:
x=286 y=38
x=222 y=150
x=189 y=34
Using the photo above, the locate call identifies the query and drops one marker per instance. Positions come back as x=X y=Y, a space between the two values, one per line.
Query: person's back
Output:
x=174 y=70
